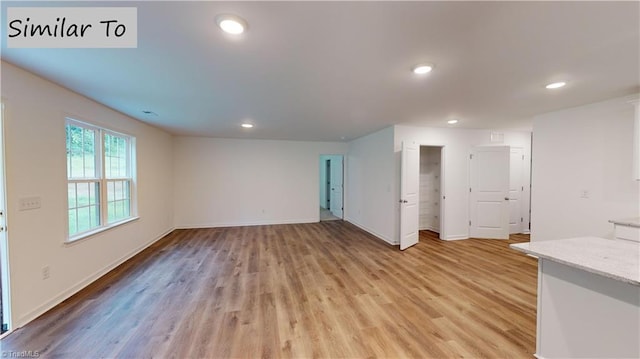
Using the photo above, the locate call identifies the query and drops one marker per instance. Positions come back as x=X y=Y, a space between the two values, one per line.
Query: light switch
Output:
x=27 y=203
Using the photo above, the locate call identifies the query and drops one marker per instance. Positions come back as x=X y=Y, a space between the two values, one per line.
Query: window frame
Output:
x=102 y=180
x=129 y=177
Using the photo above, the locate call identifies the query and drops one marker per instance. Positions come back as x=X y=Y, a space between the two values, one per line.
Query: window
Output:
x=100 y=178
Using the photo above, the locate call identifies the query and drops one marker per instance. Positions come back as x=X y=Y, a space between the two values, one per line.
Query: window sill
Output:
x=81 y=237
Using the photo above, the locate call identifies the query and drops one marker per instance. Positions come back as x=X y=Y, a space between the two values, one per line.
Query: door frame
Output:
x=5 y=277
x=327 y=184
x=521 y=204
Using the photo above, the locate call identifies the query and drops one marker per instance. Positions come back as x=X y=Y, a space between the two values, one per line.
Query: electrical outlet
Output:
x=27 y=203
x=46 y=272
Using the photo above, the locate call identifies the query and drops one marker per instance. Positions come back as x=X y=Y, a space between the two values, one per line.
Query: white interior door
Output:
x=516 y=168
x=489 y=192
x=409 y=194
x=336 y=176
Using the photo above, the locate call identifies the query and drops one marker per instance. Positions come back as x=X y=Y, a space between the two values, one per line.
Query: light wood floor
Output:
x=324 y=290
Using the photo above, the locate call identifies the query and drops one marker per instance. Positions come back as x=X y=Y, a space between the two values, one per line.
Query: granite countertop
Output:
x=629 y=222
x=619 y=260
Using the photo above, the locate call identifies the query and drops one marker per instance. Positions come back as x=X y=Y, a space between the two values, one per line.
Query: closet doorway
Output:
x=431 y=182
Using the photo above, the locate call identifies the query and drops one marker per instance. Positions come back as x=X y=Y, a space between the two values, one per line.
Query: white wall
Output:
x=36 y=166
x=369 y=185
x=233 y=182
x=457 y=146
x=584 y=148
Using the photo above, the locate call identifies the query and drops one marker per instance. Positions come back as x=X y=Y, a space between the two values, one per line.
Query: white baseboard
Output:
x=455 y=237
x=430 y=228
x=22 y=321
x=243 y=224
x=366 y=229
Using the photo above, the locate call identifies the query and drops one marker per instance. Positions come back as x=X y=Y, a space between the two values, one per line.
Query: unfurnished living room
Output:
x=320 y=179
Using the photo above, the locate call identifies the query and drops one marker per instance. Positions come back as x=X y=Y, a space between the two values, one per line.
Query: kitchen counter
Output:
x=627 y=229
x=629 y=222
x=619 y=260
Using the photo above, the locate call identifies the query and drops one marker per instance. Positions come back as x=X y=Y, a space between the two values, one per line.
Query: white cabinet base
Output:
x=585 y=315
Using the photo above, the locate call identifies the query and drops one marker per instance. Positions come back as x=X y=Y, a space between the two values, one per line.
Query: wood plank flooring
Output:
x=324 y=290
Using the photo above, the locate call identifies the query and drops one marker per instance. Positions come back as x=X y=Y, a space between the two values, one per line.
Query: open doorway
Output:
x=4 y=264
x=331 y=187
x=431 y=194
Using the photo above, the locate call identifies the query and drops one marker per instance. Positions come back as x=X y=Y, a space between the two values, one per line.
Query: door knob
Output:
x=506 y=198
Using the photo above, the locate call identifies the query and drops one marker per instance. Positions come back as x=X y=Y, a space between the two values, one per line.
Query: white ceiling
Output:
x=332 y=70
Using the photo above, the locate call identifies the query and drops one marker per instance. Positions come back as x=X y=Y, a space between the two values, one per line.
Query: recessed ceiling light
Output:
x=247 y=125
x=452 y=122
x=231 y=24
x=555 y=85
x=422 y=69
